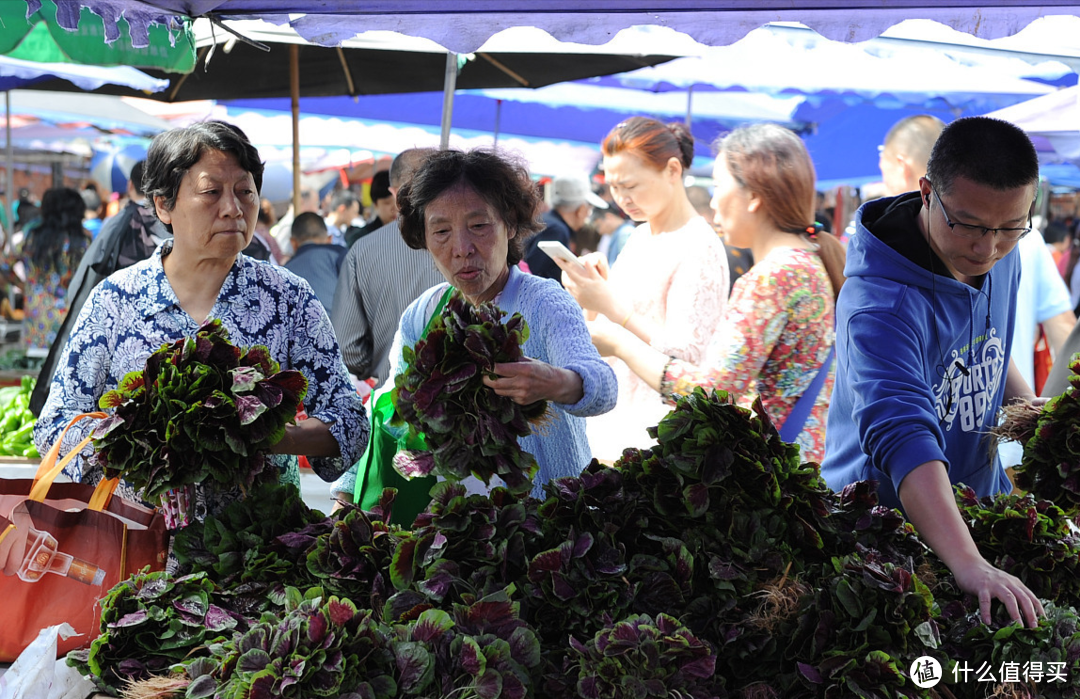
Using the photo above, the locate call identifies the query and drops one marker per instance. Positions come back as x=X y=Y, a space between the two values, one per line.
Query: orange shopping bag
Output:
x=63 y=546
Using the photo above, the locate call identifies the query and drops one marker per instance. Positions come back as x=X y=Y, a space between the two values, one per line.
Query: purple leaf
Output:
x=249 y=408
x=471 y=657
x=132 y=619
x=414 y=464
x=244 y=379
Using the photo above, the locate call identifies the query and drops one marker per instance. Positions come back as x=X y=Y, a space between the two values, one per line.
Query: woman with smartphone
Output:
x=669 y=286
x=777 y=334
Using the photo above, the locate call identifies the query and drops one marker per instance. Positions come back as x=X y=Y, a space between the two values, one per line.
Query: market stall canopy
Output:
x=563 y=112
x=337 y=142
x=16 y=73
x=464 y=26
x=1052 y=121
x=48 y=34
x=382 y=62
x=767 y=62
x=101 y=111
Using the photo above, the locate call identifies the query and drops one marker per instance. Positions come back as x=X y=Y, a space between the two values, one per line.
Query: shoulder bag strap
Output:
x=438 y=310
x=796 y=419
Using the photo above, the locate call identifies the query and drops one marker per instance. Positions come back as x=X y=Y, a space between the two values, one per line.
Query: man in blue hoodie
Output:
x=924 y=329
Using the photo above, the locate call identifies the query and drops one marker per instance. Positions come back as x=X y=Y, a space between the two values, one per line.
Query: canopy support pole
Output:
x=689 y=105
x=449 y=85
x=348 y=73
x=498 y=118
x=294 y=91
x=9 y=171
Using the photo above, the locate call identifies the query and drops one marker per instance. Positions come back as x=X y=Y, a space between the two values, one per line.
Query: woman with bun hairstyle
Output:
x=777 y=335
x=670 y=284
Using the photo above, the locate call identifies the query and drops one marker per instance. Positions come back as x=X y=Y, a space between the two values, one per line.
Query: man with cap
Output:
x=572 y=203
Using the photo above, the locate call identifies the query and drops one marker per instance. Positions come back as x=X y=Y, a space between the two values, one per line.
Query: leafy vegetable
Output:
x=201 y=409
x=639 y=657
x=1031 y=539
x=468 y=428
x=316 y=649
x=968 y=643
x=483 y=648
x=714 y=565
x=240 y=549
x=149 y=622
x=1050 y=467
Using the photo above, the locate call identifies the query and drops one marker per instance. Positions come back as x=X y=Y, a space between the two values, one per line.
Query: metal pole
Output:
x=10 y=154
x=689 y=105
x=449 y=85
x=498 y=118
x=294 y=90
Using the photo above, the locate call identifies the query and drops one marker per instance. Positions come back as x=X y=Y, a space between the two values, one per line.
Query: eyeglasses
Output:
x=968 y=230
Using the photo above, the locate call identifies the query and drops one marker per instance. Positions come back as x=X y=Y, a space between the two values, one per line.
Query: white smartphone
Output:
x=557 y=251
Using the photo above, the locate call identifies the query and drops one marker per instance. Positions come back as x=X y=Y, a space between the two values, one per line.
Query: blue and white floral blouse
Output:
x=134 y=311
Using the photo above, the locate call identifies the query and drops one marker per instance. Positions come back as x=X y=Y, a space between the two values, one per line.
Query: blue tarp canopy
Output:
x=464 y=26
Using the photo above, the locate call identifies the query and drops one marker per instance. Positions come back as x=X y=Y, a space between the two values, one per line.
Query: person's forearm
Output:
x=1057 y=330
x=568 y=389
x=1016 y=386
x=310 y=437
x=641 y=327
x=643 y=360
x=927 y=497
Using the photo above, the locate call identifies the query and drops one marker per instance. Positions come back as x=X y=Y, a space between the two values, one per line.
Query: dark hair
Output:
x=652 y=141
x=62 y=211
x=380 y=185
x=172 y=153
x=990 y=152
x=266 y=212
x=343 y=197
x=1055 y=232
x=308 y=225
x=136 y=177
x=771 y=162
x=501 y=180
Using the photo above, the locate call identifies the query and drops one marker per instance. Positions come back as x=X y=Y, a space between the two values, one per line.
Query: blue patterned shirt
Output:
x=135 y=311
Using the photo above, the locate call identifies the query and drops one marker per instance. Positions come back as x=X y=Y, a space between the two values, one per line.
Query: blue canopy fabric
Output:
x=482 y=111
x=464 y=26
x=16 y=73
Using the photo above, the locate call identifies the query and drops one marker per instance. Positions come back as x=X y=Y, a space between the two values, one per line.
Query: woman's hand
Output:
x=589 y=286
x=310 y=437
x=529 y=380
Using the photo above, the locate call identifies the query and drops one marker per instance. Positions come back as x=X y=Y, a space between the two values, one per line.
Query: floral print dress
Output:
x=45 y=301
x=775 y=336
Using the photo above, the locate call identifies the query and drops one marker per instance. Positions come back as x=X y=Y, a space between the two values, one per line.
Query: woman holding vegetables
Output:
x=777 y=333
x=204 y=182
x=472 y=211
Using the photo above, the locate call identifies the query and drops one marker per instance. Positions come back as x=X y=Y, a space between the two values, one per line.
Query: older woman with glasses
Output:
x=924 y=333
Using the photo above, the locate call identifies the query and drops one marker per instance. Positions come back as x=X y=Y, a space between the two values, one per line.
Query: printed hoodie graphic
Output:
x=921 y=362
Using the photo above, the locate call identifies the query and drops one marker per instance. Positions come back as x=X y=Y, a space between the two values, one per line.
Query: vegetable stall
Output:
x=715 y=564
x=17 y=422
